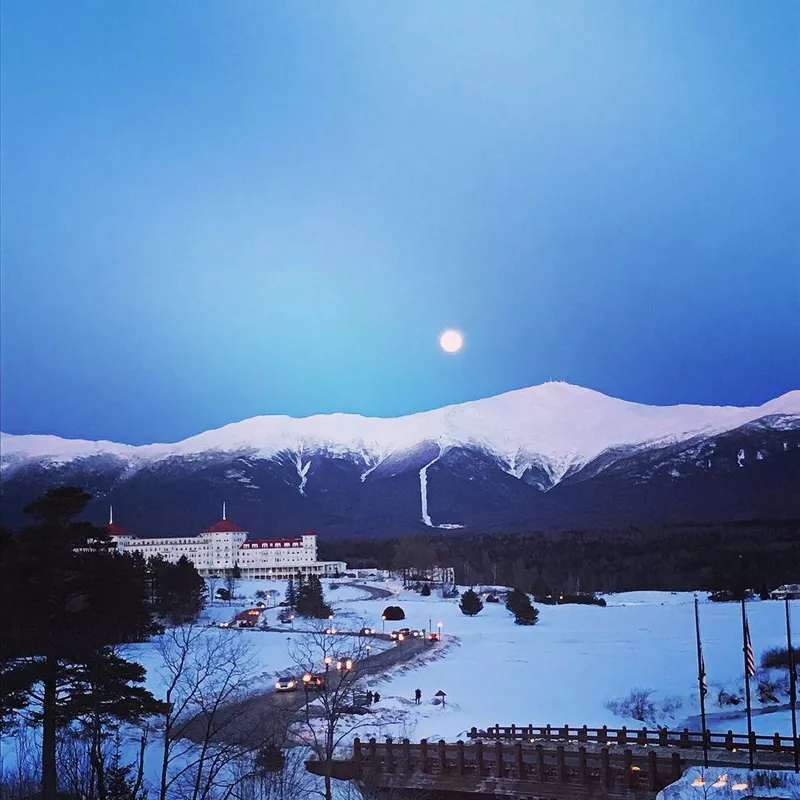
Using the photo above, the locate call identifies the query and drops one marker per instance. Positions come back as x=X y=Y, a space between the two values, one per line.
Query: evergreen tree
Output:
x=426 y=590
x=73 y=597
x=311 y=600
x=291 y=594
x=519 y=604
x=177 y=592
x=470 y=603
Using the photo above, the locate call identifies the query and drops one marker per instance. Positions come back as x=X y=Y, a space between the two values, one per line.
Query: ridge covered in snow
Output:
x=555 y=424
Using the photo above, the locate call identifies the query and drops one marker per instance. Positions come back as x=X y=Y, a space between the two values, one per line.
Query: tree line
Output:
x=760 y=555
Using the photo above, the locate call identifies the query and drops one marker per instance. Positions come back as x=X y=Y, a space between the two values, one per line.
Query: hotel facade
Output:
x=226 y=545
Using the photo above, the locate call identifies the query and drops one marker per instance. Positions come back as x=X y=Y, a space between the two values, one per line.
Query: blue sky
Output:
x=213 y=210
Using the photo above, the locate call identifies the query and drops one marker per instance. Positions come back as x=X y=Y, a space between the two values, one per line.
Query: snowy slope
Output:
x=563 y=425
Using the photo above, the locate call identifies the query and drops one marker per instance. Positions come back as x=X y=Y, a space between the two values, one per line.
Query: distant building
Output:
x=790 y=590
x=226 y=545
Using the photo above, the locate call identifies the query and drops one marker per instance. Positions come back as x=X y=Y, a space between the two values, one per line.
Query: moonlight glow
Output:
x=451 y=341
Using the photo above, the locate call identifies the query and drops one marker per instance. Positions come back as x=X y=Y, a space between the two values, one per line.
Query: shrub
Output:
x=768 y=689
x=426 y=590
x=223 y=594
x=637 y=705
x=519 y=604
x=778 y=658
x=492 y=599
x=728 y=699
x=394 y=613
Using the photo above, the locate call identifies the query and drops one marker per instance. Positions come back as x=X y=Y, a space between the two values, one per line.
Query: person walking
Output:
x=418 y=696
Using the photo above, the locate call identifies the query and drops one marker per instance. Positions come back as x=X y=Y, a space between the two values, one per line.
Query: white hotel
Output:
x=225 y=545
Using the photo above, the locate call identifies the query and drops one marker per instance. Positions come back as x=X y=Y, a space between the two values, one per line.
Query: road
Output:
x=266 y=714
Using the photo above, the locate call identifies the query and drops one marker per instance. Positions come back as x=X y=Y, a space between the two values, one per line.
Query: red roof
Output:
x=225 y=526
x=118 y=530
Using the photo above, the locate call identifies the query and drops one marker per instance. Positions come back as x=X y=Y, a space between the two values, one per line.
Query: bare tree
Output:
x=333 y=712
x=207 y=673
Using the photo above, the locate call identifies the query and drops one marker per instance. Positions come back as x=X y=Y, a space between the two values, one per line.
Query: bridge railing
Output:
x=622 y=770
x=658 y=737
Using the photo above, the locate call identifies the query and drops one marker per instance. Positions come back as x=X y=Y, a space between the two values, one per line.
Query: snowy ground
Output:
x=564 y=669
x=727 y=784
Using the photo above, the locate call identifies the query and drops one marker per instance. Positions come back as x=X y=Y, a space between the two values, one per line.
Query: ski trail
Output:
x=302 y=471
x=373 y=467
x=423 y=492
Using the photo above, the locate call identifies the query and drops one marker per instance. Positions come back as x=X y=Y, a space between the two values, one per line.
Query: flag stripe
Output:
x=750 y=662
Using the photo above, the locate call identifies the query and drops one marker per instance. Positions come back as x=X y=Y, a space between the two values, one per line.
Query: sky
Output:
x=214 y=210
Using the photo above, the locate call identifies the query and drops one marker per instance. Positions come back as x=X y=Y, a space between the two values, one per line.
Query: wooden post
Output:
x=583 y=772
x=442 y=757
x=530 y=731
x=548 y=733
x=479 y=756
x=519 y=762
x=564 y=733
x=605 y=769
x=562 y=764
x=460 y=766
x=602 y=735
x=663 y=737
x=540 y=763
x=497 y=731
x=729 y=740
x=513 y=731
x=583 y=734
x=473 y=733
x=407 y=764
x=752 y=742
x=498 y=759
x=776 y=743
x=423 y=755
x=627 y=765
x=684 y=738
x=643 y=736
x=357 y=755
x=389 y=756
x=622 y=735
x=373 y=754
x=653 y=784
x=676 y=770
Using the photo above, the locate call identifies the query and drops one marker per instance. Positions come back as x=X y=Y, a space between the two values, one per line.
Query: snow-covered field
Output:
x=565 y=669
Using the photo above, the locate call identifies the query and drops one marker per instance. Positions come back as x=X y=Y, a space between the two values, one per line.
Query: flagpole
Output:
x=746 y=646
x=792 y=688
x=701 y=679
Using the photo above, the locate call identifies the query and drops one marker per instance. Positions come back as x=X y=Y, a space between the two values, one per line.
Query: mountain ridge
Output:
x=553 y=454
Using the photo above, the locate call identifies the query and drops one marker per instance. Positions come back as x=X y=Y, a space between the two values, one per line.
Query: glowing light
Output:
x=451 y=341
x=739 y=787
x=720 y=782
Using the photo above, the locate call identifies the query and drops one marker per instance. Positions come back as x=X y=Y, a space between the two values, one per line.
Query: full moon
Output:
x=451 y=341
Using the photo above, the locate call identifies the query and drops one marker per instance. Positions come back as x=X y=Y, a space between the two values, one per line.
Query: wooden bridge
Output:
x=503 y=769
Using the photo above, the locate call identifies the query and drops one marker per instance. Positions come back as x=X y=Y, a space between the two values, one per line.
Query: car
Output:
x=331 y=630
x=224 y=624
x=394 y=635
x=313 y=683
x=418 y=634
x=433 y=637
x=286 y=684
x=285 y=617
x=366 y=631
x=405 y=631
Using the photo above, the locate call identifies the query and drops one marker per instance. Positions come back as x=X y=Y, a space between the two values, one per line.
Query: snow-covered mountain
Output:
x=554 y=454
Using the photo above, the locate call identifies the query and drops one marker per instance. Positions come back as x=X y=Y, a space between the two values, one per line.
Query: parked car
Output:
x=286 y=684
x=224 y=624
x=394 y=635
x=405 y=631
x=367 y=631
x=418 y=634
x=433 y=637
x=285 y=617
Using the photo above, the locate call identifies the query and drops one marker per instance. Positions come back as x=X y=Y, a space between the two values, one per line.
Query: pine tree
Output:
x=311 y=600
x=426 y=590
x=291 y=594
x=73 y=597
x=470 y=603
x=519 y=604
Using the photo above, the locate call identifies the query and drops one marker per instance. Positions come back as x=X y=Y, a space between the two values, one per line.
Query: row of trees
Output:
x=517 y=602
x=69 y=601
x=728 y=556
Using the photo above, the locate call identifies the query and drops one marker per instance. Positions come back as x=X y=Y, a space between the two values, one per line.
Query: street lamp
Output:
x=292 y=621
x=307 y=686
x=440 y=625
x=368 y=648
x=383 y=623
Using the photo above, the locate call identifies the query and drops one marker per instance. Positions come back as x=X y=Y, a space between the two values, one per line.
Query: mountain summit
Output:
x=549 y=455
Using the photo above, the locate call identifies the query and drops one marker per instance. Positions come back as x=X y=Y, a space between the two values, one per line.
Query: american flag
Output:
x=749 y=661
x=703 y=684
